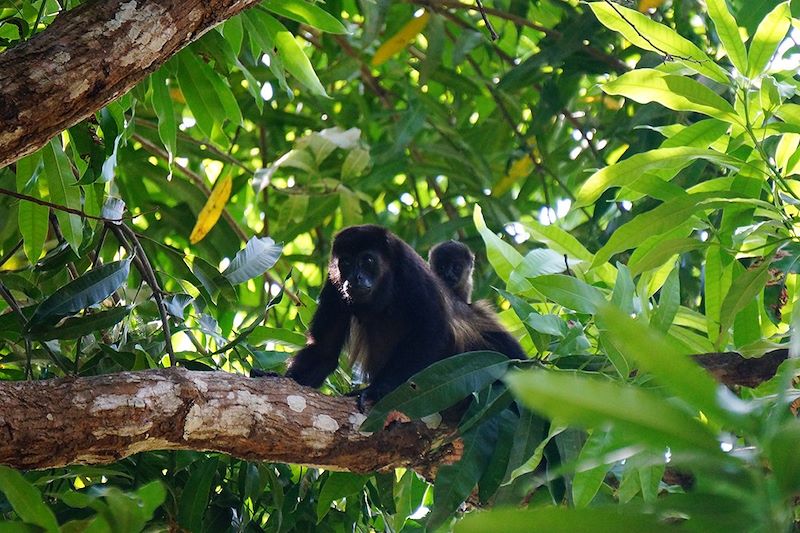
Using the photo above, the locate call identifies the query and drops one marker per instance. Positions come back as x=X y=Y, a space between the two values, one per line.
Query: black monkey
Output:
x=454 y=263
x=381 y=298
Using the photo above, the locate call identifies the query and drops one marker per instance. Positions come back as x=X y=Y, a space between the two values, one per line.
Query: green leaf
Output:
x=678 y=93
x=454 y=483
x=784 y=459
x=207 y=95
x=305 y=13
x=665 y=217
x=259 y=255
x=650 y=35
x=26 y=500
x=586 y=483
x=165 y=112
x=744 y=289
x=293 y=56
x=195 y=497
x=570 y=292
x=668 y=303
x=701 y=134
x=498 y=464
x=33 y=218
x=263 y=334
x=728 y=33
x=502 y=256
x=768 y=36
x=429 y=391
x=659 y=254
x=627 y=170
x=89 y=289
x=640 y=415
x=63 y=191
x=76 y=327
x=673 y=369
x=559 y=240
x=562 y=520
x=338 y=485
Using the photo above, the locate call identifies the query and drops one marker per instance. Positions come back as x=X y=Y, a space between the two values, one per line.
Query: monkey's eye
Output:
x=345 y=264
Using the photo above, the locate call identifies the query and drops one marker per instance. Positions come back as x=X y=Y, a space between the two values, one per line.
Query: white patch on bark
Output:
x=61 y=58
x=325 y=423
x=315 y=439
x=161 y=396
x=356 y=419
x=149 y=444
x=296 y=403
x=232 y=417
x=50 y=417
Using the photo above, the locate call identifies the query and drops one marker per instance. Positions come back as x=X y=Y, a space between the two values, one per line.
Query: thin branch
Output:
x=57 y=207
x=126 y=236
x=492 y=32
x=8 y=255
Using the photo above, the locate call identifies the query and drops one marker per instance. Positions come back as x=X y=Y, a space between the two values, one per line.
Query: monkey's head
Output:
x=453 y=262
x=360 y=266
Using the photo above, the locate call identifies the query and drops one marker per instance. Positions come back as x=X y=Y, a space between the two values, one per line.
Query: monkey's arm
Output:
x=325 y=338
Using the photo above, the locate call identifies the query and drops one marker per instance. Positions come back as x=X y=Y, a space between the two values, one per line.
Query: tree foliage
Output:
x=627 y=178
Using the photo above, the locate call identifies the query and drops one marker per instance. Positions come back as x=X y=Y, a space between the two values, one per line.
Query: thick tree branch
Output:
x=89 y=56
x=45 y=424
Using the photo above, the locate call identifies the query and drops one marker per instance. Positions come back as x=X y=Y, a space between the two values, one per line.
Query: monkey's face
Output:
x=359 y=276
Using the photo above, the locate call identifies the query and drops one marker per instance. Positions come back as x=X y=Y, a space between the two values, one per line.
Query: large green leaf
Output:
x=162 y=105
x=306 y=13
x=768 y=36
x=627 y=170
x=91 y=288
x=61 y=185
x=664 y=218
x=650 y=35
x=675 y=92
x=33 y=218
x=259 y=255
x=76 y=327
x=439 y=386
x=26 y=500
x=744 y=289
x=673 y=369
x=502 y=256
x=294 y=59
x=338 y=485
x=728 y=32
x=455 y=482
x=570 y=292
x=195 y=496
x=640 y=415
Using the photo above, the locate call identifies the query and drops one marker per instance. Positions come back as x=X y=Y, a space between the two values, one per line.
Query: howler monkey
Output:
x=454 y=263
x=395 y=315
x=384 y=302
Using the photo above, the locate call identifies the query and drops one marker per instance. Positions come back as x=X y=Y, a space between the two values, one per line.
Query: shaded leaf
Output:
x=259 y=255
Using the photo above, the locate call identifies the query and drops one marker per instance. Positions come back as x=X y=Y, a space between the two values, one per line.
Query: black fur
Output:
x=401 y=314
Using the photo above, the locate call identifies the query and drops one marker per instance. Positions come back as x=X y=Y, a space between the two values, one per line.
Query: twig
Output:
x=57 y=207
x=489 y=26
x=123 y=233
x=11 y=252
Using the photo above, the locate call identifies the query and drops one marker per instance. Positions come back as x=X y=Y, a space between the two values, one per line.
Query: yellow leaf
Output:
x=519 y=169
x=400 y=40
x=647 y=5
x=213 y=209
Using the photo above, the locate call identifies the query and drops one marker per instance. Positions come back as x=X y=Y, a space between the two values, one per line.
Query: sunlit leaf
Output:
x=397 y=42
x=675 y=92
x=728 y=32
x=26 y=500
x=768 y=36
x=258 y=256
x=213 y=209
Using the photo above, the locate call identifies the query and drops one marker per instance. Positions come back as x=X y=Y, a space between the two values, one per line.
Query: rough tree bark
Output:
x=88 y=57
x=57 y=422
